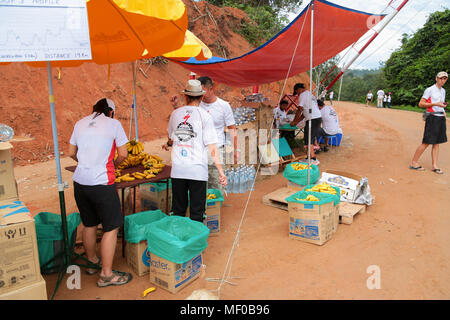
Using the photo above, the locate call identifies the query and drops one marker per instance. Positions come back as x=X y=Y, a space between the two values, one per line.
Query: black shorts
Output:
x=315 y=126
x=435 y=131
x=99 y=204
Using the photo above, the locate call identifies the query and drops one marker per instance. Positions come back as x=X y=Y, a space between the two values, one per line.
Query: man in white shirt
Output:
x=93 y=144
x=192 y=134
x=307 y=109
x=388 y=100
x=330 y=123
x=222 y=115
x=435 y=131
x=380 y=95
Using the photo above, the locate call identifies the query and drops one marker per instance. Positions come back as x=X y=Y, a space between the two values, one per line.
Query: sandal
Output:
x=91 y=271
x=419 y=168
x=124 y=277
x=438 y=171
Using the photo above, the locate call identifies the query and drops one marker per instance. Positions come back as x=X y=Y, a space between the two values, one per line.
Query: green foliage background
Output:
x=410 y=69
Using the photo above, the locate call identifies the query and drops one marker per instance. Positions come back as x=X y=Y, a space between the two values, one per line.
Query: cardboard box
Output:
x=311 y=223
x=173 y=276
x=212 y=220
x=19 y=258
x=35 y=291
x=295 y=186
x=154 y=197
x=347 y=182
x=335 y=218
x=8 y=187
x=138 y=257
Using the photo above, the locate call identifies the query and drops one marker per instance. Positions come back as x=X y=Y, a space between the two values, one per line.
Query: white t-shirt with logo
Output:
x=96 y=141
x=434 y=94
x=304 y=101
x=191 y=129
x=330 y=121
x=222 y=116
x=389 y=98
x=369 y=96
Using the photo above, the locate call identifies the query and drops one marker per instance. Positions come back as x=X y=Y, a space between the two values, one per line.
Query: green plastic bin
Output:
x=50 y=239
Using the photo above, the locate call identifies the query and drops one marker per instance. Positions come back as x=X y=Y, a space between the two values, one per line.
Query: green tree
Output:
x=414 y=66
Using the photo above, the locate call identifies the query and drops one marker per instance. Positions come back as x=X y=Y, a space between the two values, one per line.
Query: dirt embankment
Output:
x=24 y=90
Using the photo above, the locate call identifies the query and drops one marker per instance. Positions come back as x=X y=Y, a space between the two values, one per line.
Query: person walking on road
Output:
x=435 y=133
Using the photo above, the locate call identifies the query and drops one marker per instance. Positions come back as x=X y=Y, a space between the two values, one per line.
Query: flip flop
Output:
x=438 y=171
x=124 y=277
x=419 y=168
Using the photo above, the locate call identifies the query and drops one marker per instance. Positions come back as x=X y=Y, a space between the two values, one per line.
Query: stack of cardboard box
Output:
x=20 y=277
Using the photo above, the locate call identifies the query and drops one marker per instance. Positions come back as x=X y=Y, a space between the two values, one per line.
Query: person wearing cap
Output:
x=191 y=135
x=388 y=100
x=433 y=99
x=308 y=110
x=222 y=115
x=93 y=145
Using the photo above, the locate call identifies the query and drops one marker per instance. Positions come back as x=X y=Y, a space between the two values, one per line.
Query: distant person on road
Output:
x=331 y=97
x=369 y=98
x=388 y=100
x=380 y=96
x=385 y=101
x=435 y=133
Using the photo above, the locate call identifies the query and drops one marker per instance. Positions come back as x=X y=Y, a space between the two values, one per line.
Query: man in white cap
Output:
x=435 y=131
x=93 y=145
x=191 y=135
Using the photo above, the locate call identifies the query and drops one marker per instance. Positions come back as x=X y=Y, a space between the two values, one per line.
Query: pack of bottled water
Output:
x=243 y=115
x=240 y=179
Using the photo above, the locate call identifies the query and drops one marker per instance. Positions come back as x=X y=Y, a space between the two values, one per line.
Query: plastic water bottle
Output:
x=244 y=180
x=251 y=178
x=236 y=182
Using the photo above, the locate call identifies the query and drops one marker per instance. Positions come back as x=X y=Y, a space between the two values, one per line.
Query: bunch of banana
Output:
x=323 y=187
x=134 y=147
x=310 y=197
x=143 y=175
x=125 y=177
x=129 y=162
x=210 y=196
x=299 y=166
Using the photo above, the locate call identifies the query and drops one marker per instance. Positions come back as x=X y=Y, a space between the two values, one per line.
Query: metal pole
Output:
x=310 y=91
x=134 y=101
x=57 y=159
x=340 y=87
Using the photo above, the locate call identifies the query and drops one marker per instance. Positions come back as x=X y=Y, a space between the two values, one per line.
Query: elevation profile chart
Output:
x=44 y=30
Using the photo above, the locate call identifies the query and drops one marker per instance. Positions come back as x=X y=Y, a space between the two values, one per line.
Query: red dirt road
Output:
x=405 y=233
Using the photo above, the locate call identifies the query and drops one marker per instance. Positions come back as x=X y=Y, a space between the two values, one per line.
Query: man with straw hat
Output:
x=191 y=135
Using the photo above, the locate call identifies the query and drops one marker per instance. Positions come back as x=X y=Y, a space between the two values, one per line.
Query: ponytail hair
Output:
x=102 y=107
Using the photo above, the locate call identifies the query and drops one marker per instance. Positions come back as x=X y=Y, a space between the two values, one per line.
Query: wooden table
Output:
x=162 y=176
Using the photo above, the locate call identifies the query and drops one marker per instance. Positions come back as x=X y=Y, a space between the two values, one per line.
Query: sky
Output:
x=410 y=18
